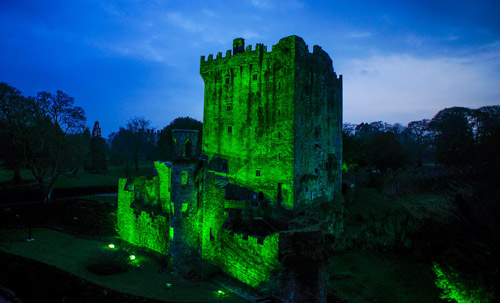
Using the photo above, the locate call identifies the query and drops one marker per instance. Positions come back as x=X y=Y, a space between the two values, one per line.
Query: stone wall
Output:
x=139 y=227
x=317 y=124
x=247 y=258
x=248 y=116
x=213 y=216
x=276 y=118
x=164 y=170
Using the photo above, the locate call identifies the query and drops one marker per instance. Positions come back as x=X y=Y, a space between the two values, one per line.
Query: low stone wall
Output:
x=248 y=260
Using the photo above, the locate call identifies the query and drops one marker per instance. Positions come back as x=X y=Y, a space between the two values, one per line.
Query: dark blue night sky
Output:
x=401 y=61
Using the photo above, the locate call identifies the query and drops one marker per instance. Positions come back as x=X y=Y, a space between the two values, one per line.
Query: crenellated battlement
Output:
x=267 y=241
x=289 y=46
x=237 y=50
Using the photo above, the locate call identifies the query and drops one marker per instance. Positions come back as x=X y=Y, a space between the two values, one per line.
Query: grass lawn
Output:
x=109 y=178
x=106 y=198
x=382 y=277
x=71 y=254
x=84 y=178
x=7 y=175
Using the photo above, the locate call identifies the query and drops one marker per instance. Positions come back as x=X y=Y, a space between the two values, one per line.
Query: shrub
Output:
x=456 y=287
x=108 y=262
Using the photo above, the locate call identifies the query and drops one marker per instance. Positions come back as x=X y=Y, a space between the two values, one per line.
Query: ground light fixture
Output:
x=220 y=293
x=132 y=257
x=111 y=246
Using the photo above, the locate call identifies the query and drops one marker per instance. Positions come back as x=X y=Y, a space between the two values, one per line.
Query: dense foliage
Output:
x=133 y=143
x=456 y=153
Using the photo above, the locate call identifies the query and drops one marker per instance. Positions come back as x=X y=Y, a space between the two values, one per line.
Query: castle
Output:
x=271 y=145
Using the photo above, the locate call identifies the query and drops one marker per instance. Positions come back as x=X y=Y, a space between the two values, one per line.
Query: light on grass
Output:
x=220 y=293
x=111 y=246
x=132 y=257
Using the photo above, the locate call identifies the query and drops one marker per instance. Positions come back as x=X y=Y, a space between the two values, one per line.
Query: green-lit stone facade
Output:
x=271 y=139
x=244 y=258
x=276 y=118
x=144 y=225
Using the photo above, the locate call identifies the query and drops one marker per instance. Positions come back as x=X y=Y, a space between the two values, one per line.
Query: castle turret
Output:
x=238 y=46
x=184 y=196
x=185 y=141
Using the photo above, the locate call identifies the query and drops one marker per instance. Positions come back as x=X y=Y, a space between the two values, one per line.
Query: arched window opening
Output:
x=187 y=148
x=176 y=147
x=261 y=196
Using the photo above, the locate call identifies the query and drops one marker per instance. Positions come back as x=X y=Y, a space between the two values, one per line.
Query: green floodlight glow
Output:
x=111 y=246
x=132 y=257
x=455 y=288
x=220 y=293
x=146 y=229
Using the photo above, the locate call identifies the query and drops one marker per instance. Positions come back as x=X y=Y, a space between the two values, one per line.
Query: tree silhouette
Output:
x=41 y=129
x=11 y=116
x=454 y=138
x=98 y=152
x=133 y=142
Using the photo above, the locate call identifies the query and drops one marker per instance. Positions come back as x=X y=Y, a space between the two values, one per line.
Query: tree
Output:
x=385 y=151
x=48 y=140
x=486 y=120
x=76 y=151
x=121 y=152
x=133 y=143
x=418 y=139
x=137 y=127
x=41 y=129
x=97 y=155
x=96 y=130
x=454 y=137
x=165 y=146
x=14 y=112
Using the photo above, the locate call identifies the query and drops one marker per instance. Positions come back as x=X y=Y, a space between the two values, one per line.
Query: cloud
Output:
x=284 y=4
x=359 y=34
x=402 y=88
x=179 y=20
x=262 y=3
x=249 y=34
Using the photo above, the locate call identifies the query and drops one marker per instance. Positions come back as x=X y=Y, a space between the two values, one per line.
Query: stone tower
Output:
x=272 y=121
x=183 y=246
